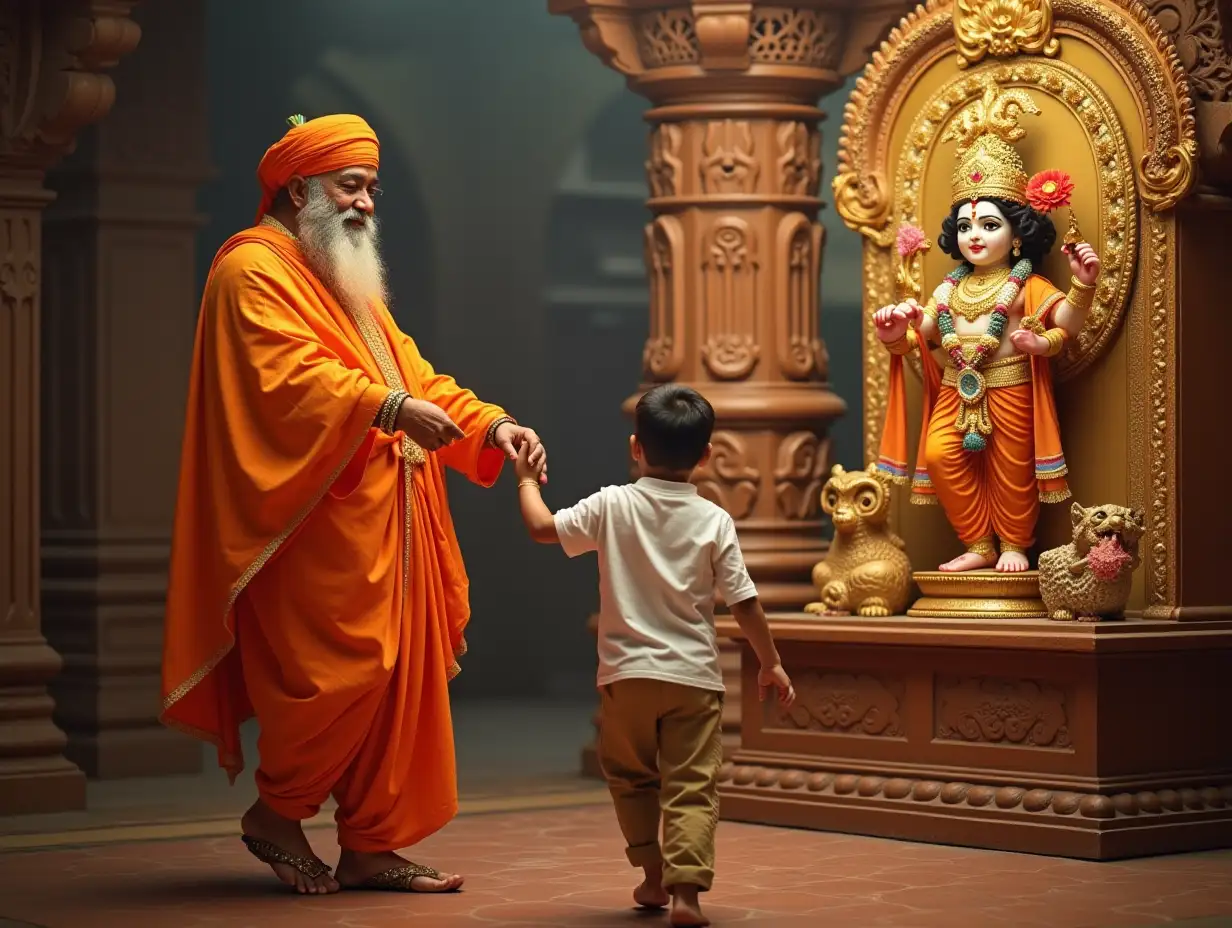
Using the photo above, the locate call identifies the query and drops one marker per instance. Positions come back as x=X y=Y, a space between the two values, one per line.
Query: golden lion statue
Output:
x=866 y=570
x=1090 y=578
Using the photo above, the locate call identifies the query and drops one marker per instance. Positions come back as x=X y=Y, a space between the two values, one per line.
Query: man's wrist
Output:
x=490 y=438
x=391 y=409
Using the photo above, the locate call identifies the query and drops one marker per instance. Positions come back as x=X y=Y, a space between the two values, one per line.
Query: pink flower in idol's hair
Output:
x=910 y=240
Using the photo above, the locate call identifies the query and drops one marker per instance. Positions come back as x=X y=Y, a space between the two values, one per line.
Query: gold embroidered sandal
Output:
x=400 y=879
x=311 y=867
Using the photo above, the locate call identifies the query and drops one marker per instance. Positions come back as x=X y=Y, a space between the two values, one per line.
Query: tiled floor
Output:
x=565 y=868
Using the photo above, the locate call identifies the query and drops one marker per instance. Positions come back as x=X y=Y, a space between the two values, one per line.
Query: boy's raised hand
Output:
x=776 y=678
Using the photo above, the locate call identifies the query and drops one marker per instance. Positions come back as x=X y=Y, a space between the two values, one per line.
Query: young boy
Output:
x=663 y=551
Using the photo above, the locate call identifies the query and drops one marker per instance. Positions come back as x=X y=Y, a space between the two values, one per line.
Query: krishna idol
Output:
x=990 y=446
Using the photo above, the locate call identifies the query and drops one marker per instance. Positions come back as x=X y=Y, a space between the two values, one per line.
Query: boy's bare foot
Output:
x=686 y=910
x=355 y=868
x=264 y=824
x=651 y=894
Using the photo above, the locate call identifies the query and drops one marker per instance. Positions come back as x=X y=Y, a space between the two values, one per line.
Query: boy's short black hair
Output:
x=673 y=425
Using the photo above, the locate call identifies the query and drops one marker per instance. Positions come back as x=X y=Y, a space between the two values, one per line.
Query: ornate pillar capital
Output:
x=52 y=83
x=675 y=51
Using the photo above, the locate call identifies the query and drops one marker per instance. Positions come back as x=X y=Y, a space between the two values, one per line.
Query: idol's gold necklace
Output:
x=976 y=294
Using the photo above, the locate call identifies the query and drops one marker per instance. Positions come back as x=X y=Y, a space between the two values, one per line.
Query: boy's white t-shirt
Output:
x=663 y=552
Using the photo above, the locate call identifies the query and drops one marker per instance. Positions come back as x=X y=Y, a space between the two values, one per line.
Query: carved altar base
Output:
x=1091 y=741
x=977 y=594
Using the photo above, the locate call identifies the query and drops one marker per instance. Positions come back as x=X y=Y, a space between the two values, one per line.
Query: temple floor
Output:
x=540 y=847
x=564 y=867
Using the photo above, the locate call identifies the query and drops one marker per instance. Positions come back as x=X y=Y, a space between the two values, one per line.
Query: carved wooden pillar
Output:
x=49 y=88
x=734 y=250
x=119 y=309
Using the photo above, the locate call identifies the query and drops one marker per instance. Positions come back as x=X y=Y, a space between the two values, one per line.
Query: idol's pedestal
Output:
x=1096 y=741
x=977 y=594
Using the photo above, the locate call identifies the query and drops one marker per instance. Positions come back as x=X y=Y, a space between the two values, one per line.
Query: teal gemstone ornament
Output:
x=971 y=386
x=973 y=441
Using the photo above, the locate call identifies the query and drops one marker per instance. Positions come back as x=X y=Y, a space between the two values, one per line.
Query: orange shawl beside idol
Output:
x=287 y=593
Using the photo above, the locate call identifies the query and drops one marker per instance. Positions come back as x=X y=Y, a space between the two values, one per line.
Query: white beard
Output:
x=346 y=258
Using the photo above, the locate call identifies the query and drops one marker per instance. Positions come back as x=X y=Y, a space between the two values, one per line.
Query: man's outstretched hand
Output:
x=511 y=438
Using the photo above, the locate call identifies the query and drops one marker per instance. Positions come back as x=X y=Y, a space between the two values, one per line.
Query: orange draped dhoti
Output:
x=993 y=492
x=316 y=579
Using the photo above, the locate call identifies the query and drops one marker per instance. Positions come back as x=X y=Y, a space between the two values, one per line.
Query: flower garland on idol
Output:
x=1045 y=192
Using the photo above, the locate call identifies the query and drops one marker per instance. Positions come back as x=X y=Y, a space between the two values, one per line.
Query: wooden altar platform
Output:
x=1100 y=741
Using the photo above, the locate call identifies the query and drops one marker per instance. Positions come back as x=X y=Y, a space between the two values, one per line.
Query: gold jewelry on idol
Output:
x=988 y=165
x=976 y=294
x=1080 y=295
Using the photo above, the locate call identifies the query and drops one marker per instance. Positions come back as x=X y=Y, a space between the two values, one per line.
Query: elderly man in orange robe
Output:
x=316 y=580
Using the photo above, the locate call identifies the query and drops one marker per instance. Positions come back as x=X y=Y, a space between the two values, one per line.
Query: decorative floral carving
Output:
x=874 y=790
x=667 y=37
x=728 y=479
x=846 y=704
x=799 y=474
x=664 y=351
x=728 y=163
x=798 y=245
x=800 y=159
x=1002 y=28
x=729 y=270
x=1198 y=32
x=1159 y=593
x=664 y=166
x=788 y=35
x=1127 y=33
x=998 y=711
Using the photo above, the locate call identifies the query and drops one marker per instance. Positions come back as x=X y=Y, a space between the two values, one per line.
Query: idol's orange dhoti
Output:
x=291 y=594
x=997 y=491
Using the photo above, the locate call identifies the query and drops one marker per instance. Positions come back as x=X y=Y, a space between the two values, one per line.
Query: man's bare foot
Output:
x=262 y=822
x=355 y=868
x=1012 y=562
x=651 y=894
x=968 y=561
x=686 y=910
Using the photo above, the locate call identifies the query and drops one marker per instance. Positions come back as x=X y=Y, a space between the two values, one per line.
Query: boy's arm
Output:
x=535 y=513
x=751 y=618
x=575 y=529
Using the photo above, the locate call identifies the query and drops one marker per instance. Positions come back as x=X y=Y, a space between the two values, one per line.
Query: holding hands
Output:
x=529 y=466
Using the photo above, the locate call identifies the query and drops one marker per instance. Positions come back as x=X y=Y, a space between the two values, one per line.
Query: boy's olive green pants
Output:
x=661 y=747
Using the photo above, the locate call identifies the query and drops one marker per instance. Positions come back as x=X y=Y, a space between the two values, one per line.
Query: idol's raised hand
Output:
x=1084 y=263
x=512 y=438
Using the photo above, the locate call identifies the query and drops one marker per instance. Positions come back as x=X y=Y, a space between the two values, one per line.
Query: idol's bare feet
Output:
x=355 y=869
x=651 y=894
x=1012 y=562
x=969 y=561
x=265 y=825
x=686 y=910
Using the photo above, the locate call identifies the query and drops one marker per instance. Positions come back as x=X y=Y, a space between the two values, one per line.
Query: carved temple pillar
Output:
x=733 y=252
x=50 y=86
x=120 y=297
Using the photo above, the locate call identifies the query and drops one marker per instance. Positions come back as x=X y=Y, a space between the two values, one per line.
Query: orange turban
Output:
x=329 y=143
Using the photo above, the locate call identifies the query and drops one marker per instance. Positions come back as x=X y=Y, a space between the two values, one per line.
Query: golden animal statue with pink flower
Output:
x=990 y=445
